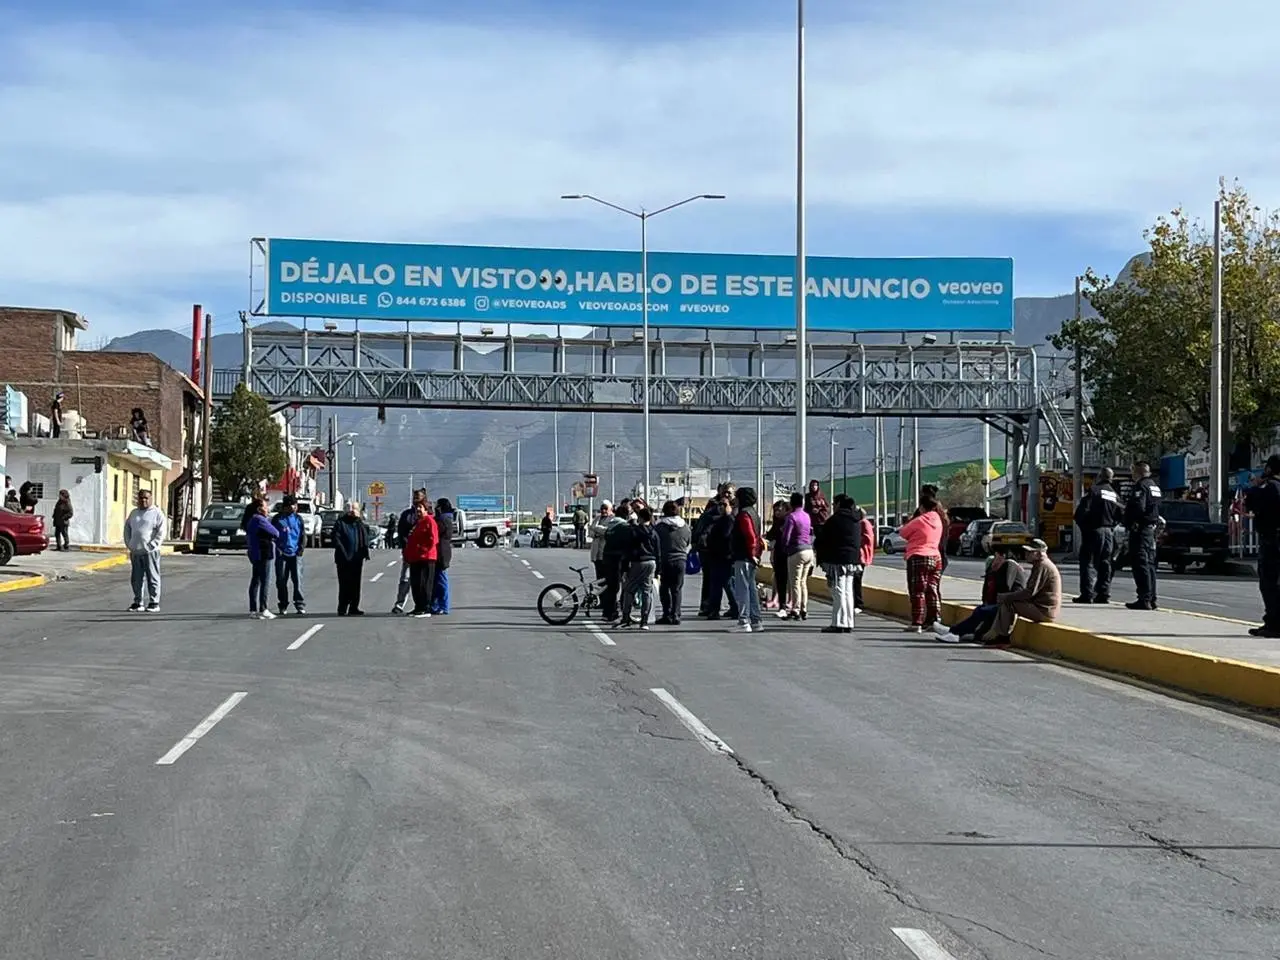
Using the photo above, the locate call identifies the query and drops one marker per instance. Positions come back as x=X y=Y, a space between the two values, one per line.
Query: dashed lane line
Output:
x=200 y=729
x=537 y=574
x=600 y=635
x=393 y=563
x=377 y=576
x=311 y=632
x=695 y=726
x=921 y=944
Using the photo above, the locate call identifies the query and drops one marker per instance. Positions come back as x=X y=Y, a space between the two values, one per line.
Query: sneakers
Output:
x=135 y=608
x=282 y=610
x=153 y=608
x=914 y=628
x=857 y=611
x=946 y=636
x=939 y=629
x=424 y=615
x=398 y=610
x=266 y=615
x=741 y=628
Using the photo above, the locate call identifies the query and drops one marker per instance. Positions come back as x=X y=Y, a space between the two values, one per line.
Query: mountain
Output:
x=461 y=451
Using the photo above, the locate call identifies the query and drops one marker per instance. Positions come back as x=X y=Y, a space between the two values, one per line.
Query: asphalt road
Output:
x=485 y=786
x=1221 y=595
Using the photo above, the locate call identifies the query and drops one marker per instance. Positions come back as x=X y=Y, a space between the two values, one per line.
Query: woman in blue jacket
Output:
x=261 y=536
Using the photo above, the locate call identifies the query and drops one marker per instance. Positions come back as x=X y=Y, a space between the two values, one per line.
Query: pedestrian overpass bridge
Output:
x=993 y=382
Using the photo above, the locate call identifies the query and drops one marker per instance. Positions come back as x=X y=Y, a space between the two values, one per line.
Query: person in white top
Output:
x=143 y=536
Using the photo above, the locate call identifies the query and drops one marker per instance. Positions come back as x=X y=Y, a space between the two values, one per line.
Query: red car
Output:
x=21 y=534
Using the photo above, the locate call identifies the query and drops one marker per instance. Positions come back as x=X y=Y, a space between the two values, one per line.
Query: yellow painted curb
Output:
x=23 y=583
x=1249 y=684
x=117 y=561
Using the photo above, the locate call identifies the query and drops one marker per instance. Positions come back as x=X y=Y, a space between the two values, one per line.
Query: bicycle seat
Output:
x=579 y=570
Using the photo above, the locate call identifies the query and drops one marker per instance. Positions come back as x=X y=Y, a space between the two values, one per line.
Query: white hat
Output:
x=606 y=503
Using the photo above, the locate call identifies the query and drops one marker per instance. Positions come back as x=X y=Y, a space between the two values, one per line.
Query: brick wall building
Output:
x=38 y=356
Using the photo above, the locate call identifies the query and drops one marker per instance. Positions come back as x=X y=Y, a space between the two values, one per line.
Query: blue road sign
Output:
x=389 y=281
x=480 y=502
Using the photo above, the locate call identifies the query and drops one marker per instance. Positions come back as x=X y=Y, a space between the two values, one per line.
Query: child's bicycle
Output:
x=558 y=603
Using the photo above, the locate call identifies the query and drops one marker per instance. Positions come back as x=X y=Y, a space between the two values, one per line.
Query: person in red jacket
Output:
x=866 y=558
x=420 y=552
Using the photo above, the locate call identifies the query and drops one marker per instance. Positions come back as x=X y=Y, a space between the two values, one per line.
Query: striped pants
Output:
x=924 y=584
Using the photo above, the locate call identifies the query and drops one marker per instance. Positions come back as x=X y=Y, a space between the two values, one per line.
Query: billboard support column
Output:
x=644 y=317
x=802 y=349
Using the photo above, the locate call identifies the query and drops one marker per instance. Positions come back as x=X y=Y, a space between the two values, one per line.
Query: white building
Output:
x=103 y=478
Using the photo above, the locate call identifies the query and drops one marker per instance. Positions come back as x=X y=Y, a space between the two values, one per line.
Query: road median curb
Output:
x=1247 y=684
x=22 y=583
x=119 y=560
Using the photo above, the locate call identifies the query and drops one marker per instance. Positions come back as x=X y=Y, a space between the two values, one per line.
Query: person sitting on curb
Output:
x=1004 y=575
x=1040 y=601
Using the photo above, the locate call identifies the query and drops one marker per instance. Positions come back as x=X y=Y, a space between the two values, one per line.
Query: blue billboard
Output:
x=482 y=502
x=401 y=281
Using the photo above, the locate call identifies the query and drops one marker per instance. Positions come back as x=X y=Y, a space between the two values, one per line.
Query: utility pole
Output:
x=760 y=458
x=591 y=462
x=897 y=508
x=986 y=468
x=831 y=444
x=802 y=278
x=333 y=462
x=915 y=457
x=555 y=429
x=1077 y=430
x=206 y=474
x=877 y=464
x=1217 y=459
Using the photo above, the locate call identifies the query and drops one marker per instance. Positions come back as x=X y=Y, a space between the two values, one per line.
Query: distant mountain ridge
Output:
x=462 y=451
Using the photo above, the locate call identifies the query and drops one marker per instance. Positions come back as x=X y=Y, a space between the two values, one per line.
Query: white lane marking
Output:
x=201 y=728
x=393 y=563
x=525 y=562
x=311 y=632
x=1200 y=603
x=921 y=944
x=377 y=576
x=695 y=726
x=537 y=574
x=600 y=635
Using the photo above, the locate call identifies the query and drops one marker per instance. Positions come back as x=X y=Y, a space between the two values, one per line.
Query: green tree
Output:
x=963 y=488
x=244 y=444
x=1146 y=356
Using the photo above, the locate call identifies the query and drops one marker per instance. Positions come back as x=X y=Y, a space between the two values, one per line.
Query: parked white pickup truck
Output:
x=484 y=529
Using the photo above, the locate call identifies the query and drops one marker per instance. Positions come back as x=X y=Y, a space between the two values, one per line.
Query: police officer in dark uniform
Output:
x=1097 y=515
x=1262 y=499
x=1142 y=518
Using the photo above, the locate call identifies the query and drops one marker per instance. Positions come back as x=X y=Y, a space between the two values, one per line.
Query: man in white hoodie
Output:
x=143 y=536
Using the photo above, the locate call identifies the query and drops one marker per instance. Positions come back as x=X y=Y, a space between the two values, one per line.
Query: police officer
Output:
x=1262 y=499
x=1142 y=518
x=1097 y=515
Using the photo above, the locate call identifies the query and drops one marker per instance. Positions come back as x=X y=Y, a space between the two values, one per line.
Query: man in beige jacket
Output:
x=1040 y=601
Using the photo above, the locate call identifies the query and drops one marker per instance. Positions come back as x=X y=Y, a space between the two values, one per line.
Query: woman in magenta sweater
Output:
x=923 y=534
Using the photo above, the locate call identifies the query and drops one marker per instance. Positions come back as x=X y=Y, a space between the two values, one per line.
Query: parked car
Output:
x=971 y=539
x=1009 y=533
x=959 y=519
x=1187 y=537
x=310 y=520
x=892 y=542
x=219 y=528
x=21 y=535
x=485 y=529
x=327 y=519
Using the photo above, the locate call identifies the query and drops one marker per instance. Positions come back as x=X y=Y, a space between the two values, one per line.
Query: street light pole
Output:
x=644 y=216
x=612 y=447
x=801 y=272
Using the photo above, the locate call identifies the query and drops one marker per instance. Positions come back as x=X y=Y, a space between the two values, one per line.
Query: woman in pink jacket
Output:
x=923 y=534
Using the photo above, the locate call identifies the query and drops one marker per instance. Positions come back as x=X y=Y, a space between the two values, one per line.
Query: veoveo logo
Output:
x=965 y=288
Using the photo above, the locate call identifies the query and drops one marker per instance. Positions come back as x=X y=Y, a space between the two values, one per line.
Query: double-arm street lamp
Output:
x=644 y=216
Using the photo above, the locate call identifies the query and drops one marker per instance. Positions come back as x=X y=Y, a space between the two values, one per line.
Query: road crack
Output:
x=1178 y=850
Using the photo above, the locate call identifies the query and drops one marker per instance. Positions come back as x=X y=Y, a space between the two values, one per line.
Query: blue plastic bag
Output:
x=692 y=565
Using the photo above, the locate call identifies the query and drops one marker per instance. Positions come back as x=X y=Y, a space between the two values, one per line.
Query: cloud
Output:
x=139 y=162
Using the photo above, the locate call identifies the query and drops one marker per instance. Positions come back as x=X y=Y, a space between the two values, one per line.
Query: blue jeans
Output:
x=289 y=569
x=745 y=592
x=978 y=622
x=259 y=582
x=440 y=595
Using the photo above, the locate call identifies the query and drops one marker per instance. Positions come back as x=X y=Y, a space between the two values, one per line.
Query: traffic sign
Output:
x=590 y=486
x=377 y=489
x=484 y=502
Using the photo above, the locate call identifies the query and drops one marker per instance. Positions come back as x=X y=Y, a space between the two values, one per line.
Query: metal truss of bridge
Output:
x=996 y=382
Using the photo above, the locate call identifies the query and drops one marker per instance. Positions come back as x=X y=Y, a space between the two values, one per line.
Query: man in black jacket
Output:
x=614 y=557
x=643 y=555
x=674 y=538
x=408 y=520
x=1097 y=515
x=446 y=528
x=1263 y=501
x=837 y=548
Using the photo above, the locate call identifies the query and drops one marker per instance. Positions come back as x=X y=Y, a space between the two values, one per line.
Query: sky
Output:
x=142 y=144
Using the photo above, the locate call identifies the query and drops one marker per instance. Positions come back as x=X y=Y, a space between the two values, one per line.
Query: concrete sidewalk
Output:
x=1198 y=653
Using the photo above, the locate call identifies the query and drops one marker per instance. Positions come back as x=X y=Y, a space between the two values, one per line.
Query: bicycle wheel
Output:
x=558 y=604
